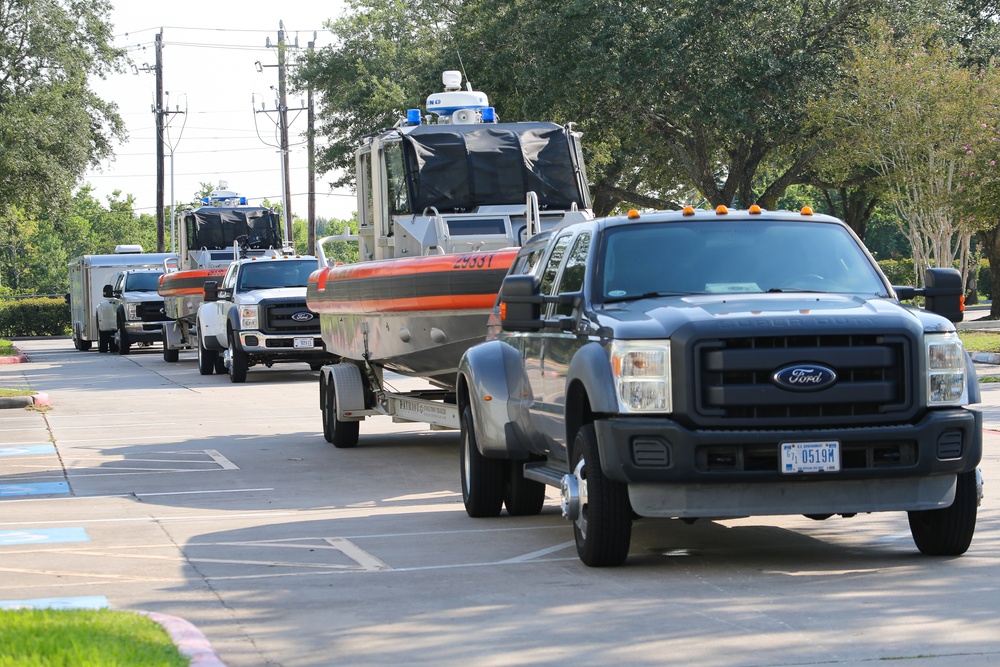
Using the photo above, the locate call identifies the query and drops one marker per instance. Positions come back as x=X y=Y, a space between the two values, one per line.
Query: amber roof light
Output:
x=721 y=210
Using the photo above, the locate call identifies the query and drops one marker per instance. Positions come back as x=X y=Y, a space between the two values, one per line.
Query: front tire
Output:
x=484 y=480
x=341 y=434
x=603 y=528
x=239 y=361
x=948 y=531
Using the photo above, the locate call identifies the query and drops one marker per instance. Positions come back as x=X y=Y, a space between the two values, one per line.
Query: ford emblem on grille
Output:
x=805 y=377
x=302 y=317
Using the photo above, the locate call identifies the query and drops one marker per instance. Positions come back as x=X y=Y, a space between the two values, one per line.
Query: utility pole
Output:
x=311 y=149
x=282 y=110
x=158 y=110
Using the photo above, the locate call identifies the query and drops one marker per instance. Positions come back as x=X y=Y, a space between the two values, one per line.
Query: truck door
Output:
x=560 y=346
x=545 y=419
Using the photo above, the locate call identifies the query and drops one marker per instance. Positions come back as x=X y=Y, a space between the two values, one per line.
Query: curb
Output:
x=24 y=401
x=18 y=358
x=985 y=357
x=189 y=640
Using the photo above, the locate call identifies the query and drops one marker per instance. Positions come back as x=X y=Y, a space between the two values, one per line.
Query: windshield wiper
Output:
x=647 y=295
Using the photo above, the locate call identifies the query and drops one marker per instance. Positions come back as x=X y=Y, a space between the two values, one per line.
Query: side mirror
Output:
x=520 y=304
x=944 y=293
x=107 y=292
x=211 y=291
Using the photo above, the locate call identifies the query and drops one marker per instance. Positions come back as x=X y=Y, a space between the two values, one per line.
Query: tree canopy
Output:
x=52 y=125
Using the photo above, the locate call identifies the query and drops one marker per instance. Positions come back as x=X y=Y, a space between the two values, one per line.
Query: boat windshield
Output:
x=733 y=257
x=272 y=273
x=143 y=282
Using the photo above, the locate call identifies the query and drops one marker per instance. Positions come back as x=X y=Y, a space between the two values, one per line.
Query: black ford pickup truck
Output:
x=717 y=364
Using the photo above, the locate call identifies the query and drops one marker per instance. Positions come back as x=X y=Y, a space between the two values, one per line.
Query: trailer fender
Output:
x=492 y=382
x=349 y=390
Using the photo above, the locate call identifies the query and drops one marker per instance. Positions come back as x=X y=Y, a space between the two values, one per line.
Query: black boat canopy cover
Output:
x=460 y=167
x=217 y=228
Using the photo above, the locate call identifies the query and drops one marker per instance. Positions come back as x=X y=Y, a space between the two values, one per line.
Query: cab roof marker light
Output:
x=755 y=210
x=633 y=214
x=807 y=210
x=687 y=210
x=721 y=210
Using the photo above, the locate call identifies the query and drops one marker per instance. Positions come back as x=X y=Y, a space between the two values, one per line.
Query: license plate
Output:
x=300 y=343
x=806 y=457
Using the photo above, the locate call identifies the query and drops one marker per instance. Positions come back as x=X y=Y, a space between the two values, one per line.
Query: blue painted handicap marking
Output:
x=82 y=602
x=27 y=450
x=33 y=489
x=43 y=536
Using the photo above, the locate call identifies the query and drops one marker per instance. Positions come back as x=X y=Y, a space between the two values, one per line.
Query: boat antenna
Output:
x=468 y=84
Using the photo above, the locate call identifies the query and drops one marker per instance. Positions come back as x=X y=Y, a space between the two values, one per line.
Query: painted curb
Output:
x=189 y=640
x=18 y=358
x=24 y=401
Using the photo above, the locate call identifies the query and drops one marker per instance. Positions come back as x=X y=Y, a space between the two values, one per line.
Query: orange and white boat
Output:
x=442 y=207
x=210 y=238
x=413 y=316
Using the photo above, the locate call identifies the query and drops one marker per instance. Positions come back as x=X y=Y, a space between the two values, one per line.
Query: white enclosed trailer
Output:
x=88 y=274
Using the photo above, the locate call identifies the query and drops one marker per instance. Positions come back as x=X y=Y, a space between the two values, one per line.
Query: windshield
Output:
x=269 y=273
x=733 y=257
x=143 y=282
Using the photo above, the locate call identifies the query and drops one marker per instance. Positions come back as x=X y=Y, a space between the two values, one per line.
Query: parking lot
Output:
x=146 y=486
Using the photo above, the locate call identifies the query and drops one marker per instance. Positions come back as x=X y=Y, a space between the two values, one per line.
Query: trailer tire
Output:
x=603 y=528
x=239 y=361
x=524 y=497
x=341 y=434
x=948 y=531
x=484 y=480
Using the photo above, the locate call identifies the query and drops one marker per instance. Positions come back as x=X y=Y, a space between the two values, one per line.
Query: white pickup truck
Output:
x=132 y=312
x=258 y=315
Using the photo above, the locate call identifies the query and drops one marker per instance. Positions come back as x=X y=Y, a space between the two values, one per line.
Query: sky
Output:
x=210 y=48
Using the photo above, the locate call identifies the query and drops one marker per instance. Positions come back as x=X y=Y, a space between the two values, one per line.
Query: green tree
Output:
x=909 y=112
x=52 y=125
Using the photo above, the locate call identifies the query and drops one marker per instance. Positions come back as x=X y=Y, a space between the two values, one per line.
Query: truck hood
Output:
x=730 y=314
x=256 y=296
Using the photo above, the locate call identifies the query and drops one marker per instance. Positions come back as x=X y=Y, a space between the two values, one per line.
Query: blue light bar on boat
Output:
x=413 y=116
x=489 y=115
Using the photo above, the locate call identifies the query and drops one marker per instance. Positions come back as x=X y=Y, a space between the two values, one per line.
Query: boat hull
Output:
x=415 y=316
x=184 y=291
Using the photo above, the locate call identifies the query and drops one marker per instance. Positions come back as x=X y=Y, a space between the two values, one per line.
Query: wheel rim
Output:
x=466 y=467
x=580 y=472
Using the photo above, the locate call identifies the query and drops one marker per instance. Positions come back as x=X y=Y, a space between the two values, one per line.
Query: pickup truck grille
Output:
x=151 y=311
x=734 y=383
x=286 y=317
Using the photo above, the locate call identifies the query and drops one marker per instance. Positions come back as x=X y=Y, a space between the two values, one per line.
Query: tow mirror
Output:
x=520 y=304
x=211 y=291
x=943 y=293
x=108 y=292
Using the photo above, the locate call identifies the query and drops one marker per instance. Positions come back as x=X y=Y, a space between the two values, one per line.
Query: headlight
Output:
x=642 y=375
x=131 y=311
x=946 y=381
x=248 y=317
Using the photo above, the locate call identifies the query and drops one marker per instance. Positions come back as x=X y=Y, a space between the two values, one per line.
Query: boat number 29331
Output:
x=477 y=260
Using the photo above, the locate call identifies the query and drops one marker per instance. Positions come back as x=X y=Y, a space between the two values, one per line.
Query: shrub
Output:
x=38 y=316
x=898 y=271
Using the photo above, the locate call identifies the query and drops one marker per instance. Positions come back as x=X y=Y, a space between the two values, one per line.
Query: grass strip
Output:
x=84 y=638
x=7 y=348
